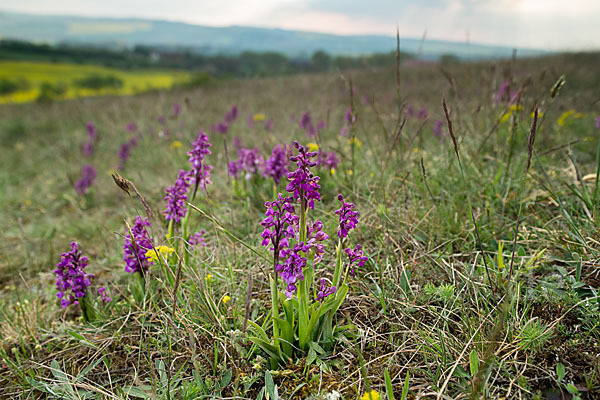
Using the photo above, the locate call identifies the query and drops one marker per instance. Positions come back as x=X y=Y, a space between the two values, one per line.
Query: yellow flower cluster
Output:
x=356 y=141
x=372 y=395
x=540 y=114
x=312 y=146
x=164 y=251
x=511 y=110
x=176 y=144
x=563 y=117
x=259 y=117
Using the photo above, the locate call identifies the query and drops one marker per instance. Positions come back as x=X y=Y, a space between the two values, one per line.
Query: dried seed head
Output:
x=449 y=123
x=556 y=87
x=122 y=183
x=532 y=137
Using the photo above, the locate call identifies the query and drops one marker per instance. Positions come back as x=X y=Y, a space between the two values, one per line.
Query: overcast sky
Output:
x=545 y=24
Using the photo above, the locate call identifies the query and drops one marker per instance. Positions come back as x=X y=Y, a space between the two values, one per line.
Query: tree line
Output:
x=245 y=64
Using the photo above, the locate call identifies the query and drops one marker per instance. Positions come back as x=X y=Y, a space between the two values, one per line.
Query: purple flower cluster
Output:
x=91 y=130
x=277 y=165
x=314 y=238
x=125 y=152
x=304 y=185
x=176 y=197
x=231 y=114
x=503 y=91
x=176 y=109
x=104 y=296
x=197 y=239
x=230 y=117
x=305 y=123
x=88 y=148
x=349 y=120
x=438 y=129
x=356 y=256
x=237 y=143
x=88 y=176
x=71 y=279
x=348 y=217
x=131 y=127
x=290 y=269
x=221 y=128
x=324 y=291
x=320 y=126
x=598 y=122
x=269 y=124
x=200 y=170
x=422 y=114
x=136 y=246
x=279 y=225
x=327 y=160
x=250 y=161
x=234 y=168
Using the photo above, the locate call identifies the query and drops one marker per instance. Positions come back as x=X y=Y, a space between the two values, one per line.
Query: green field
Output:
x=483 y=253
x=65 y=76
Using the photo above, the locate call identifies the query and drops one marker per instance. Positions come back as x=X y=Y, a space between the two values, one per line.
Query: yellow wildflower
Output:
x=164 y=251
x=28 y=202
x=226 y=299
x=372 y=395
x=313 y=146
x=511 y=110
x=175 y=145
x=563 y=118
x=350 y=172
x=356 y=141
x=332 y=171
x=505 y=117
x=258 y=117
x=515 y=107
x=208 y=278
x=540 y=114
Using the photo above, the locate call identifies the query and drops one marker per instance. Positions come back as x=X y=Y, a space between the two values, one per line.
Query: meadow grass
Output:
x=435 y=305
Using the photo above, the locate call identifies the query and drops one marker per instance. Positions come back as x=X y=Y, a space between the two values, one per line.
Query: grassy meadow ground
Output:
x=428 y=303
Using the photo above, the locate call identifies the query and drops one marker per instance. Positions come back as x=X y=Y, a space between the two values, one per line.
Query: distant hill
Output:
x=119 y=33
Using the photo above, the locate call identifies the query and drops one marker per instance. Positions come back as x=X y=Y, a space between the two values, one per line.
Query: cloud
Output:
x=551 y=24
x=327 y=22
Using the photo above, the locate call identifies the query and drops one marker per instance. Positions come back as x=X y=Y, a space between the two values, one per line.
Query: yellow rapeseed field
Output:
x=66 y=74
